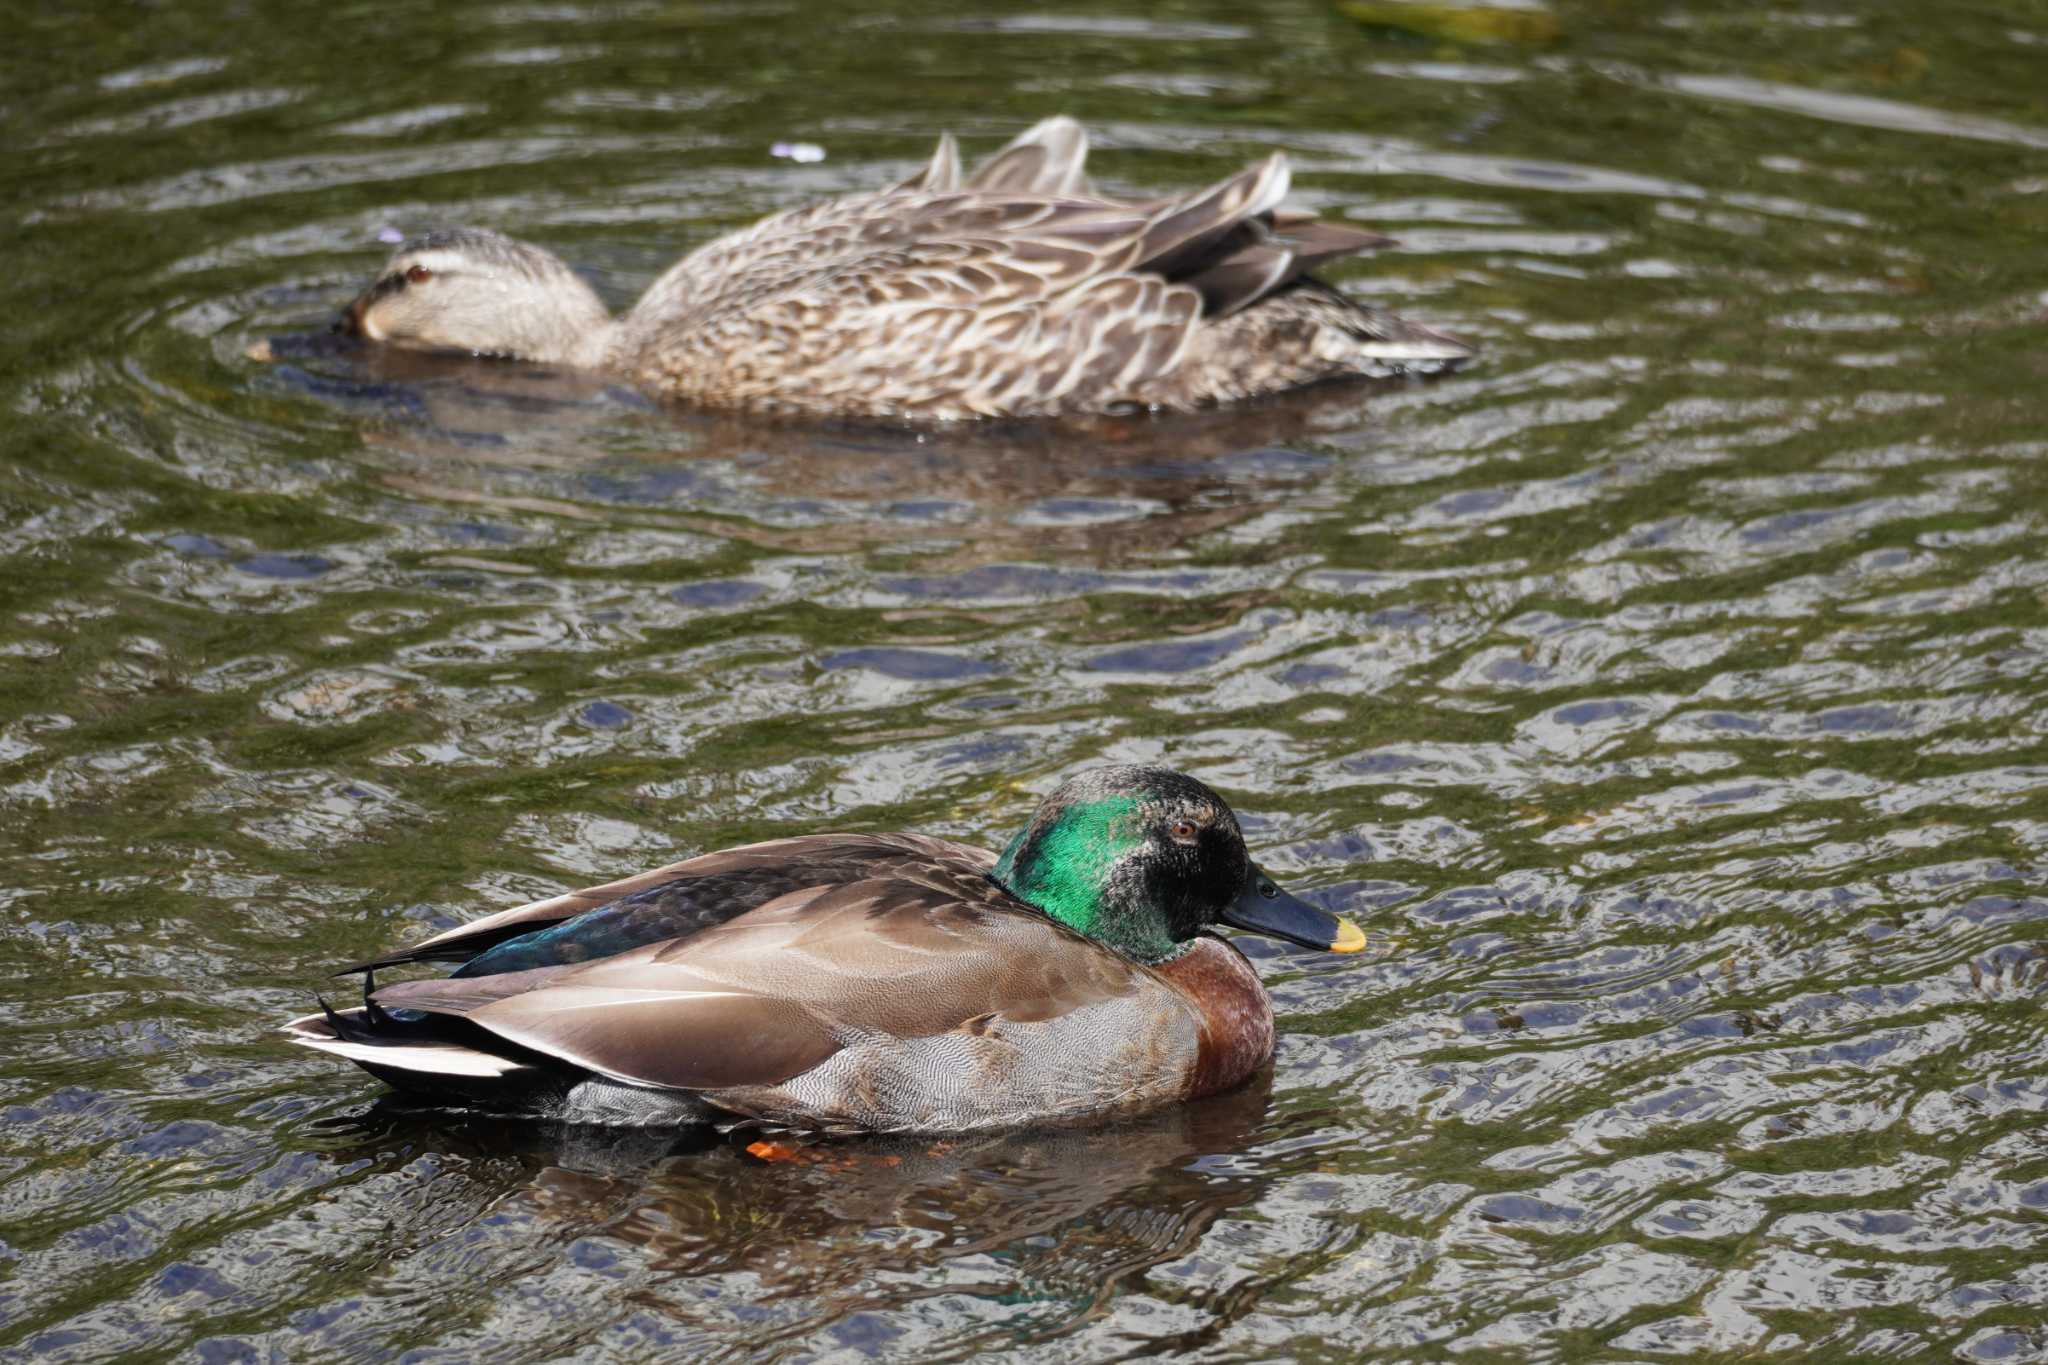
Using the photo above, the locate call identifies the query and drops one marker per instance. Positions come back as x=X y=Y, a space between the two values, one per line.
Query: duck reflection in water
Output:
x=517 y=442
x=1066 y=1218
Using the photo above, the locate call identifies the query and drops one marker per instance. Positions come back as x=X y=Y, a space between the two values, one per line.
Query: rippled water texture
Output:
x=1668 y=694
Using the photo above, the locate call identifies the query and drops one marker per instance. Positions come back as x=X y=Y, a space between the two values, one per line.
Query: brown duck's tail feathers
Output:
x=1189 y=230
x=1244 y=278
x=1306 y=333
x=1270 y=259
x=1046 y=159
x=1353 y=338
x=941 y=175
x=1314 y=241
x=1410 y=346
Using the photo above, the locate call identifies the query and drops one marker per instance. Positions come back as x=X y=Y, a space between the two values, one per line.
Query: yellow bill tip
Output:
x=1350 y=938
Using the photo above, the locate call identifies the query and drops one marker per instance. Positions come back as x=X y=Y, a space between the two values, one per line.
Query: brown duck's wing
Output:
x=1047 y=159
x=986 y=302
x=1258 y=262
x=682 y=898
x=775 y=994
x=941 y=174
x=962 y=305
x=791 y=253
x=1087 y=347
x=982 y=247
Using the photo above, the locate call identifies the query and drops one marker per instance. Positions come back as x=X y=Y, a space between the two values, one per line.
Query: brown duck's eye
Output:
x=1184 y=831
x=418 y=274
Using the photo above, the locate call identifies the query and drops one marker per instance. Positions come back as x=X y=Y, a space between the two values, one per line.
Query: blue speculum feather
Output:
x=597 y=933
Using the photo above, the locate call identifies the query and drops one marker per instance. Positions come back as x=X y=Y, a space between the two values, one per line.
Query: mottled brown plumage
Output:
x=1018 y=292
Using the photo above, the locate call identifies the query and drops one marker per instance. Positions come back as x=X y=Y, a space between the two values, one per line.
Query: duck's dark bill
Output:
x=1263 y=908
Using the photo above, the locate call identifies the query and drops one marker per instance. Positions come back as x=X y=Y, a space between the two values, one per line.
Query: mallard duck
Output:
x=1015 y=292
x=863 y=982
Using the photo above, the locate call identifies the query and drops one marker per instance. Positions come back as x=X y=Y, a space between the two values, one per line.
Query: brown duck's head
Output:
x=476 y=291
x=1144 y=859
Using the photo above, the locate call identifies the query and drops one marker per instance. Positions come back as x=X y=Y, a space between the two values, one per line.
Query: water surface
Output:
x=1668 y=694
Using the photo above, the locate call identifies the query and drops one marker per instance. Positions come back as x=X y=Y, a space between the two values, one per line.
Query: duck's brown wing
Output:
x=683 y=898
x=1005 y=298
x=1047 y=159
x=919 y=1001
x=941 y=175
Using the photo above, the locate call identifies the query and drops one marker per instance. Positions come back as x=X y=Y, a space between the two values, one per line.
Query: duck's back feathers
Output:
x=673 y=901
x=941 y=174
x=1047 y=159
x=920 y=998
x=1260 y=260
x=771 y=993
x=1015 y=293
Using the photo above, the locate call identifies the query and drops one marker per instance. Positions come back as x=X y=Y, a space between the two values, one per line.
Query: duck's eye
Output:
x=1184 y=831
x=418 y=274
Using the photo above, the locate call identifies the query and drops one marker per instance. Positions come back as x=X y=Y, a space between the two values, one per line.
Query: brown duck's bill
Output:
x=1263 y=908
x=349 y=322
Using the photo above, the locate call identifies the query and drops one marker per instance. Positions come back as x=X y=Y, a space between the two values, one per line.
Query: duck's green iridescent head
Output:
x=1145 y=859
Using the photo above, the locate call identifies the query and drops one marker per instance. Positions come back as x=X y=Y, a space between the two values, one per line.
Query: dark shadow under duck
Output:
x=1015 y=292
x=864 y=982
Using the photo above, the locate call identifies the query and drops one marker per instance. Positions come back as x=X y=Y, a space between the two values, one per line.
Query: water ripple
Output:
x=1665 y=694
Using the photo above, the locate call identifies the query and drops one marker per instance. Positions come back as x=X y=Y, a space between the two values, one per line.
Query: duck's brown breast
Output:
x=1236 y=1015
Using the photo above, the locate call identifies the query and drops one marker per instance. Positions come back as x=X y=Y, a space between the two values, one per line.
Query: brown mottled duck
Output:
x=1017 y=291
